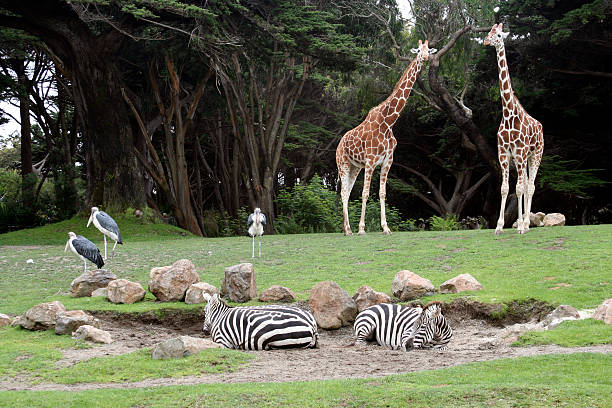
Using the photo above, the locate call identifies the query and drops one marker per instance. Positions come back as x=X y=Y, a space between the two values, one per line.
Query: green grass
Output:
x=35 y=353
x=576 y=380
x=560 y=265
x=571 y=333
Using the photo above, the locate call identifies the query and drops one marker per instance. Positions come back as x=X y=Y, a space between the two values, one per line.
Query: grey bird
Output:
x=84 y=249
x=256 y=223
x=107 y=226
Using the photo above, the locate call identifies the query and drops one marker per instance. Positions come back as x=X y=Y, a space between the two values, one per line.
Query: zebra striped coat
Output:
x=259 y=327
x=403 y=328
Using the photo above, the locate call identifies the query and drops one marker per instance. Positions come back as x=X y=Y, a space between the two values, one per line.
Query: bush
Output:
x=448 y=223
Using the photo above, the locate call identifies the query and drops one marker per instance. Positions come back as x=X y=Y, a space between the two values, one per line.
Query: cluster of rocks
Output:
x=54 y=316
x=540 y=219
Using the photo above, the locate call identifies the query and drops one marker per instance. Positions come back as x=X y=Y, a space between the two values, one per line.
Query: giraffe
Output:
x=372 y=143
x=519 y=138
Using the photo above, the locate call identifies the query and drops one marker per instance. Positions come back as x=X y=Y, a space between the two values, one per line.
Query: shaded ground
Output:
x=474 y=340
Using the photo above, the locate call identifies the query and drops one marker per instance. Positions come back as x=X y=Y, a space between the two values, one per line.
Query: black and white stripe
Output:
x=433 y=330
x=387 y=324
x=403 y=328
x=259 y=327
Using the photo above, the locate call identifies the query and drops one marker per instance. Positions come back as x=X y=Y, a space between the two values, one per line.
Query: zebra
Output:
x=431 y=330
x=402 y=328
x=258 y=327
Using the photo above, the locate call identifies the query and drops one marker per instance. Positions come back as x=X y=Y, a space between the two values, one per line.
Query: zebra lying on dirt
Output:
x=259 y=327
x=403 y=328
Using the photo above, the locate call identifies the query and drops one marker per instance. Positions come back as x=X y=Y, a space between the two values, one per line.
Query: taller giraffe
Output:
x=519 y=137
x=372 y=143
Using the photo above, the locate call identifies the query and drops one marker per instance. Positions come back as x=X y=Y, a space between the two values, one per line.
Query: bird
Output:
x=107 y=226
x=85 y=249
x=255 y=223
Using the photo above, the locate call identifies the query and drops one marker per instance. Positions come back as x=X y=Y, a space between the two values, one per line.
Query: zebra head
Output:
x=213 y=306
x=423 y=328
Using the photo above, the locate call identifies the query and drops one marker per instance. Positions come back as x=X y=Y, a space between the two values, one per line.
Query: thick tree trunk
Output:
x=28 y=182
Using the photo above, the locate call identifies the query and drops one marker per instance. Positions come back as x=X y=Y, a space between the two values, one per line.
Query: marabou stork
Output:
x=85 y=249
x=255 y=223
x=107 y=226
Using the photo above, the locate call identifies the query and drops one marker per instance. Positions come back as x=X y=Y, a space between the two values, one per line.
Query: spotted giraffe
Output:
x=519 y=138
x=372 y=143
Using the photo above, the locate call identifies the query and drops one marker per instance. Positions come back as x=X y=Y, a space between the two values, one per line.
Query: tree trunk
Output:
x=28 y=181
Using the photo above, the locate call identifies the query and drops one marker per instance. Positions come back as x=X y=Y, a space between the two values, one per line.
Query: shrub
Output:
x=448 y=223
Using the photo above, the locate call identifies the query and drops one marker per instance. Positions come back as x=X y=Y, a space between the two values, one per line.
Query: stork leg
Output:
x=260 y=246
x=113 y=253
x=105 y=258
x=253 y=252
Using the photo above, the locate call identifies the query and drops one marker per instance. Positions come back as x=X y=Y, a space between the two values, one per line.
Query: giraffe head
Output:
x=423 y=51
x=496 y=36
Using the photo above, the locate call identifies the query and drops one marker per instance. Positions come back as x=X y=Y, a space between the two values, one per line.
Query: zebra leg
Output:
x=364 y=333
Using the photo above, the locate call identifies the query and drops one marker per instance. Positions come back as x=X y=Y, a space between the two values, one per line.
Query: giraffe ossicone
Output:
x=372 y=144
x=519 y=138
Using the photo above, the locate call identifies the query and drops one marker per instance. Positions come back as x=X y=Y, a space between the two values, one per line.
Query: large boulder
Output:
x=366 y=297
x=195 y=293
x=554 y=219
x=90 y=333
x=100 y=292
x=5 y=320
x=169 y=283
x=239 y=283
x=124 y=291
x=408 y=285
x=604 y=312
x=277 y=293
x=69 y=321
x=89 y=281
x=42 y=317
x=560 y=314
x=460 y=283
x=331 y=305
x=182 y=346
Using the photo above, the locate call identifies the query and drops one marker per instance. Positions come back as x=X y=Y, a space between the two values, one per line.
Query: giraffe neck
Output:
x=505 y=87
x=394 y=104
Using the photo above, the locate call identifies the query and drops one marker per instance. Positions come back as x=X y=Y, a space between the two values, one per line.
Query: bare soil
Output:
x=476 y=338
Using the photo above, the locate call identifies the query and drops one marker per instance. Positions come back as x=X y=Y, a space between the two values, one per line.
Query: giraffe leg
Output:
x=348 y=175
x=534 y=164
x=367 y=178
x=505 y=167
x=520 y=192
x=382 y=194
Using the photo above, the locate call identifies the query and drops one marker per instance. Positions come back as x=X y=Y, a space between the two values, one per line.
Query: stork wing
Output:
x=107 y=222
x=251 y=219
x=263 y=219
x=88 y=249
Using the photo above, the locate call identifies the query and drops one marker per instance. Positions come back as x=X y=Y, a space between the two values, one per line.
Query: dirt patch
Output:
x=476 y=326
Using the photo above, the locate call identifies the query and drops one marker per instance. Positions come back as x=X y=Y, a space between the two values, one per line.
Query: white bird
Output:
x=107 y=226
x=84 y=249
x=255 y=223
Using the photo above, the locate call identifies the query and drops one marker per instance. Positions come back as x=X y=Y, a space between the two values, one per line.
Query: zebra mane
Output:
x=431 y=304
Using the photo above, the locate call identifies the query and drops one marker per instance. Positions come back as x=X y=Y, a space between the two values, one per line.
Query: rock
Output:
x=100 y=292
x=277 y=293
x=138 y=213
x=561 y=313
x=85 y=284
x=366 y=297
x=408 y=285
x=554 y=219
x=331 y=305
x=124 y=291
x=182 y=346
x=5 y=320
x=460 y=283
x=239 y=283
x=195 y=293
x=16 y=321
x=90 y=333
x=537 y=219
x=604 y=312
x=512 y=333
x=42 y=317
x=69 y=321
x=169 y=283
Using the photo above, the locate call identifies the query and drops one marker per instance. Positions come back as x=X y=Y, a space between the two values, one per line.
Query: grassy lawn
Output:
x=577 y=380
x=560 y=265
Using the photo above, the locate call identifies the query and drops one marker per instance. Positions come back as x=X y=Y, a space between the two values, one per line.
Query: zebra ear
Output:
x=207 y=297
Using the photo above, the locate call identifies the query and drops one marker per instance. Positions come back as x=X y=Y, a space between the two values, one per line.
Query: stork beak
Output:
x=90 y=220
x=67 y=244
